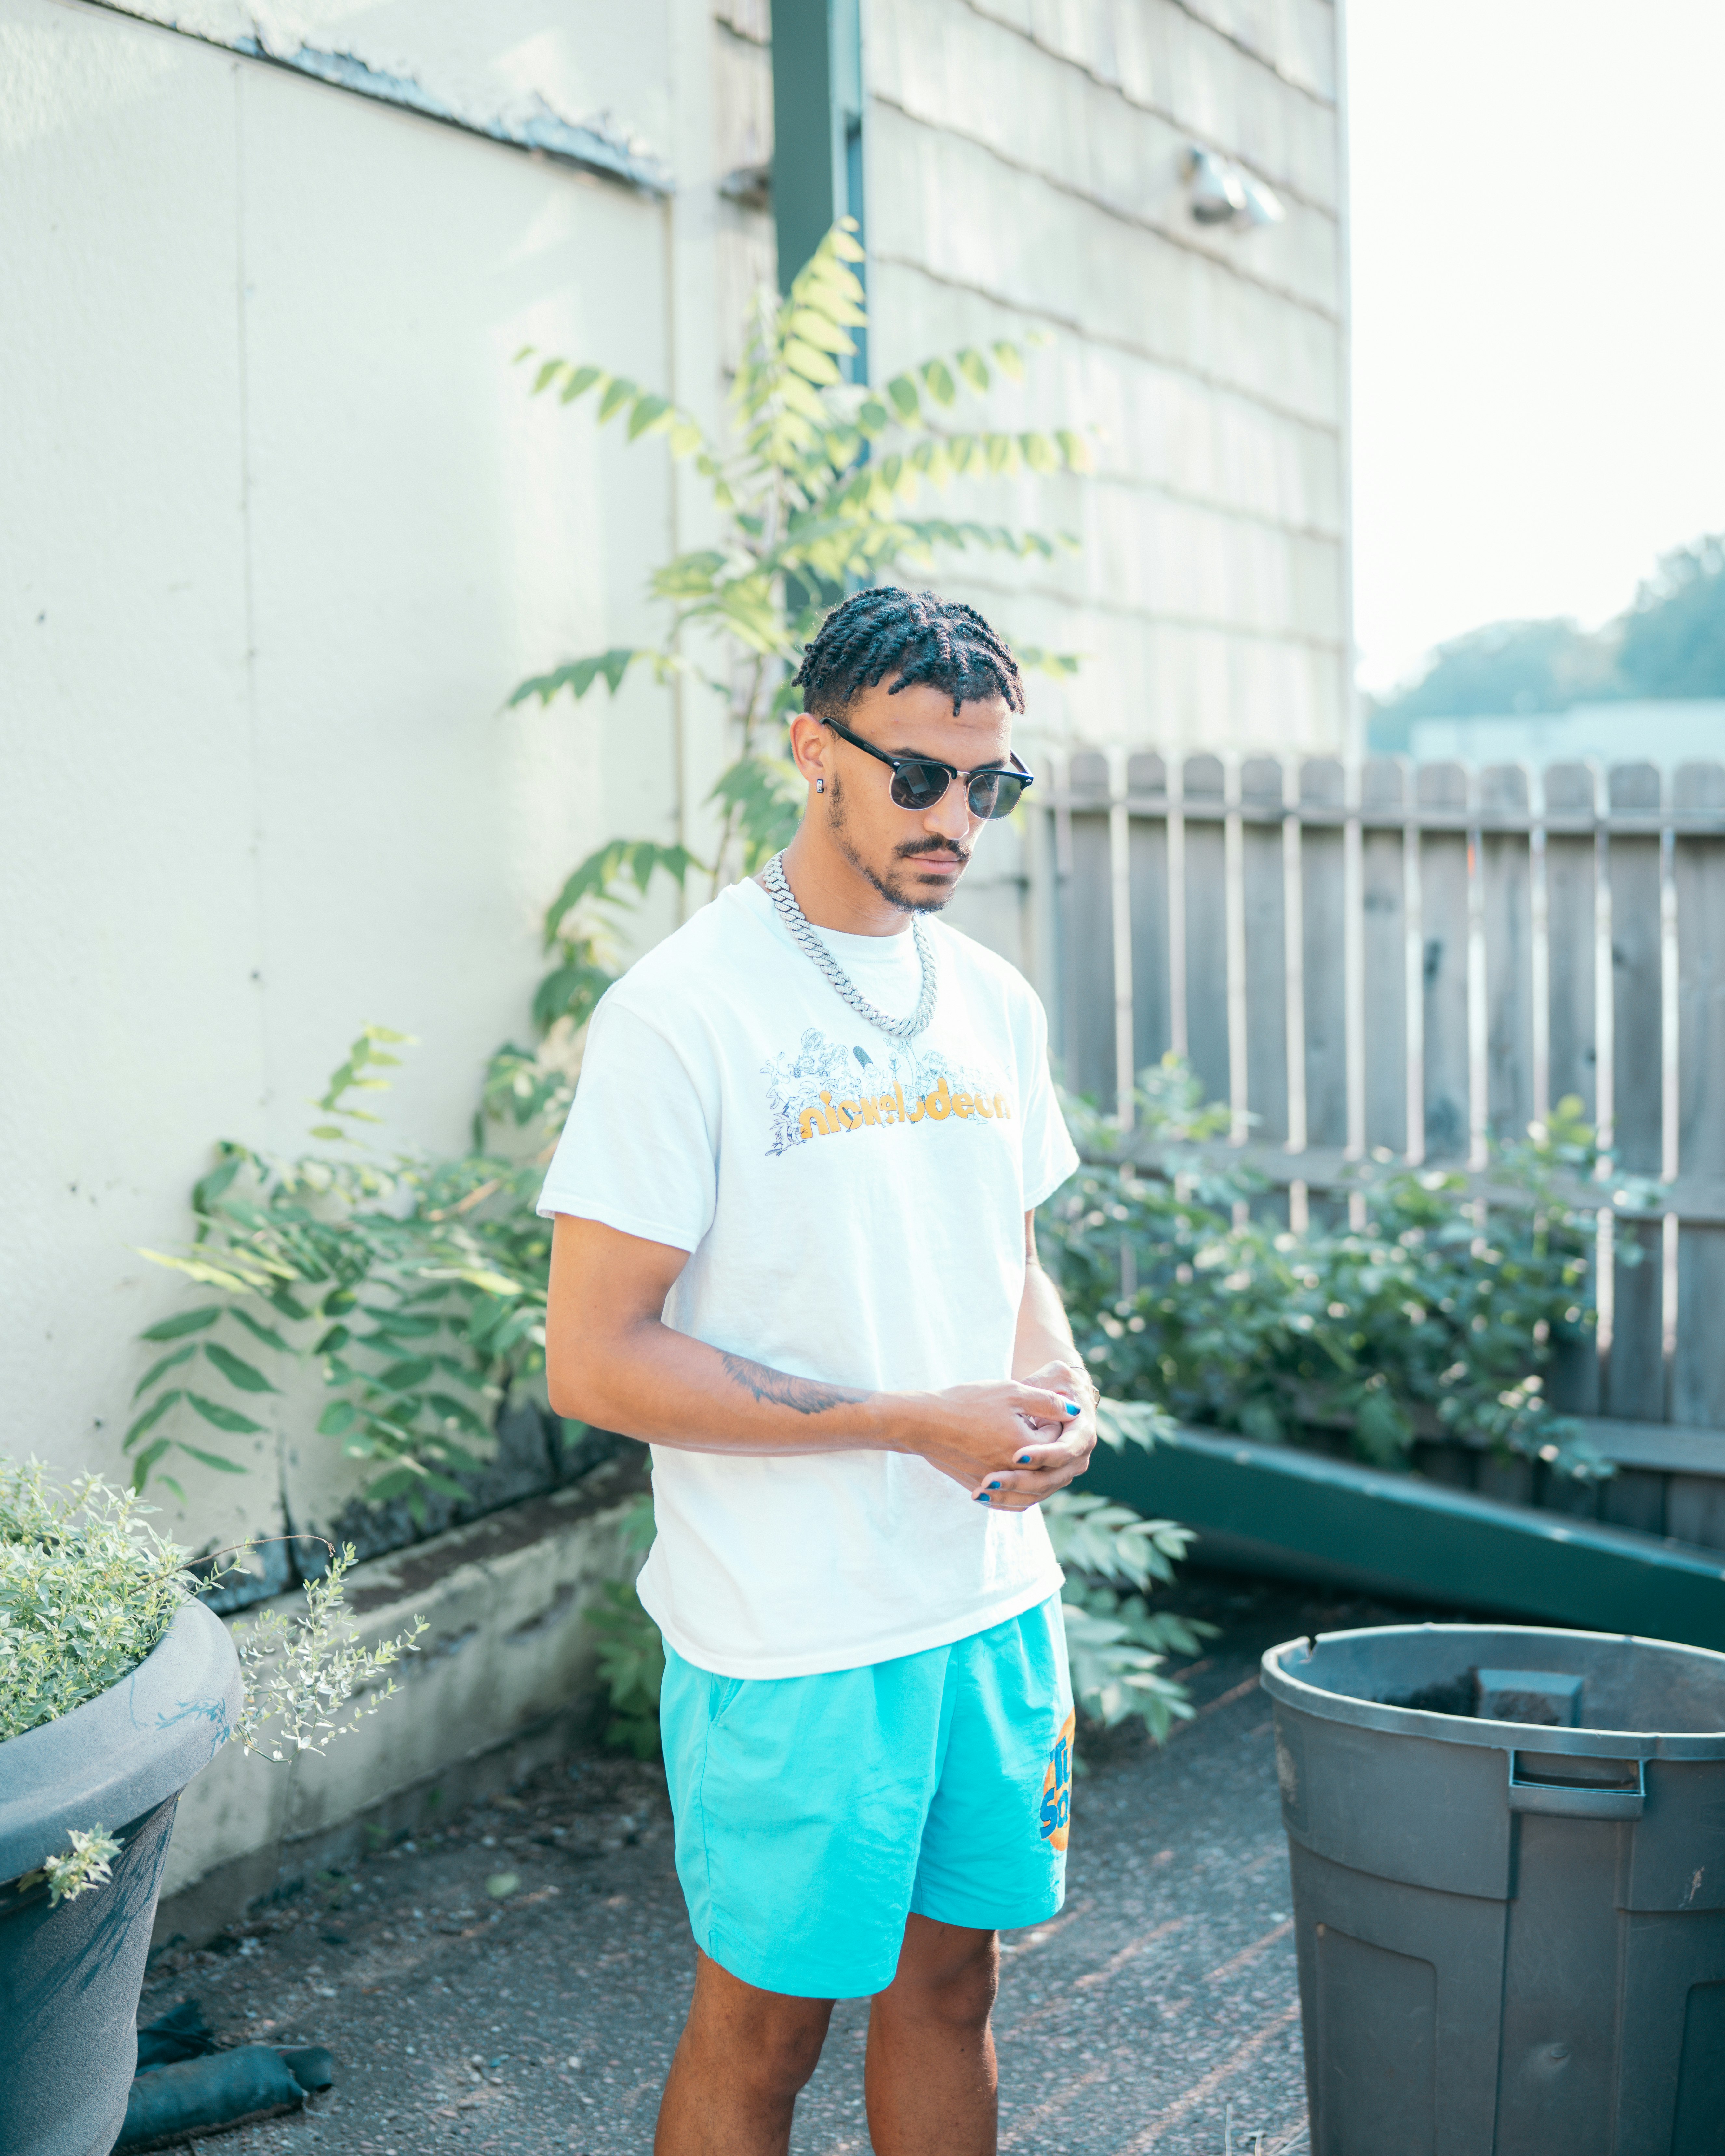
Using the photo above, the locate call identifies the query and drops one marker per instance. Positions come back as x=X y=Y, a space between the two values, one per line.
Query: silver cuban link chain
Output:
x=810 y=943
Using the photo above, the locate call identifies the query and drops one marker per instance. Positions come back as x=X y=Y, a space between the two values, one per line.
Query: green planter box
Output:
x=1265 y=1508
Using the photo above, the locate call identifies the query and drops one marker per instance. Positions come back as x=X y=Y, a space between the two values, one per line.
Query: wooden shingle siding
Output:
x=1027 y=178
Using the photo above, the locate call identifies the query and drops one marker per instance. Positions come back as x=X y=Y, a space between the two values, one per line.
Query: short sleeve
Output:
x=1049 y=1155
x=640 y=1150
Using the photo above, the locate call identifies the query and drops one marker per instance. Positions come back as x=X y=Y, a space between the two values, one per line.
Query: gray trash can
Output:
x=1509 y=1850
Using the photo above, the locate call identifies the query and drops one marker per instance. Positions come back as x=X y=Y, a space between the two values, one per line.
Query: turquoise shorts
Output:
x=814 y=1814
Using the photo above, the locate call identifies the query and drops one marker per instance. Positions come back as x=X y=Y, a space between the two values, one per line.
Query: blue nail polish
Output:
x=981 y=1496
x=1023 y=1460
x=1070 y=1410
x=993 y=1485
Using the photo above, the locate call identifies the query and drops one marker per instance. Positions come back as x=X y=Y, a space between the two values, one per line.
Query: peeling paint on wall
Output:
x=588 y=144
x=488 y=97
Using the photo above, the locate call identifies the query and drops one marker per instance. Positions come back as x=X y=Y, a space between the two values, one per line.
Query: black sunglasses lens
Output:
x=994 y=793
x=919 y=785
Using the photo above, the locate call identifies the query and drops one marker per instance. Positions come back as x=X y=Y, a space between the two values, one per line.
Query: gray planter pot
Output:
x=69 y=1978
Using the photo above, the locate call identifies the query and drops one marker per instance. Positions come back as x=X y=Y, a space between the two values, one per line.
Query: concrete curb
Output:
x=503 y=1680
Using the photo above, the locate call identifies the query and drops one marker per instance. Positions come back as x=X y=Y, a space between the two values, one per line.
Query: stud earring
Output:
x=820 y=786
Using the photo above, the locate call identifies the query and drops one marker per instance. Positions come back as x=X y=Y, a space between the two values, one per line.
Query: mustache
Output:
x=913 y=848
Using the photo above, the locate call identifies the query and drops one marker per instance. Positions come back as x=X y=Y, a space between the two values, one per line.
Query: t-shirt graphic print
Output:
x=853 y=1210
x=890 y=1088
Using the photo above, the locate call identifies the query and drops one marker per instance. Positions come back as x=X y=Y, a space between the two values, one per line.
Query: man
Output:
x=794 y=1252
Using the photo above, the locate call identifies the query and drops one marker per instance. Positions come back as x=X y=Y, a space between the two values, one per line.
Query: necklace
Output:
x=895 y=1029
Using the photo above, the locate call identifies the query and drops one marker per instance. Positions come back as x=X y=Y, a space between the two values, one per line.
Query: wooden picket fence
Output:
x=1415 y=961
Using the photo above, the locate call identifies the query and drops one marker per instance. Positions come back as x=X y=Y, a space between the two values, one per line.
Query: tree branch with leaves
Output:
x=817 y=489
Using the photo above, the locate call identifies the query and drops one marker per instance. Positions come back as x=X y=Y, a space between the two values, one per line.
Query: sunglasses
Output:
x=918 y=781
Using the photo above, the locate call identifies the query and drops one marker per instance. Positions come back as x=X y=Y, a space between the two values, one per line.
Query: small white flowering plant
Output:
x=88 y=1587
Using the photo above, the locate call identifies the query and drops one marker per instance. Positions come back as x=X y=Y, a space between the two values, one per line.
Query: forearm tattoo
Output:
x=802 y=1395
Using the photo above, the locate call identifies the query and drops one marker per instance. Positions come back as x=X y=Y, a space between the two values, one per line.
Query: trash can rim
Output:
x=1291 y=1691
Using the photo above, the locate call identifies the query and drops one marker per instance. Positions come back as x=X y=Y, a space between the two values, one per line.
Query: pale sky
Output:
x=1539 y=245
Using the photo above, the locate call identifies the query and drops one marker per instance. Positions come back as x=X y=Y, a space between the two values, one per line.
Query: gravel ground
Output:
x=517 y=1981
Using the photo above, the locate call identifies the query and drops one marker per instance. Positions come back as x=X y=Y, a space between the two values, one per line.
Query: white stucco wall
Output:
x=282 y=532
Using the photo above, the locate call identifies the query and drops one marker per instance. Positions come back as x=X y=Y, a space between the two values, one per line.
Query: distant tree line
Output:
x=1671 y=643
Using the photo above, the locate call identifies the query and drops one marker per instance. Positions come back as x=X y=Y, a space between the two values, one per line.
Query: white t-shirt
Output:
x=853 y=1208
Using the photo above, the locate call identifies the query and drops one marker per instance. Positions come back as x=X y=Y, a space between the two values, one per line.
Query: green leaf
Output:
x=212 y=1459
x=401 y=1324
x=225 y=1417
x=570 y=991
x=162 y=1368
x=974 y=369
x=548 y=374
x=337 y=1418
x=617 y=393
x=259 y=1331
x=812 y=366
x=902 y=392
x=1383 y=1431
x=332 y=1133
x=648 y=410
x=589 y=879
x=147 y=1459
x=208 y=1188
x=937 y=376
x=149 y=1418
x=1074 y=449
x=456 y=1411
x=578 y=676
x=690 y=576
x=490 y=1283
x=236 y=1371
x=1039 y=453
x=406 y=1376
x=812 y=326
x=188 y=1320
x=580 y=382
x=802 y=397
x=1009 y=360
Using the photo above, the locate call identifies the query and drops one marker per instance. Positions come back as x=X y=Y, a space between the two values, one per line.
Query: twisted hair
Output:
x=915 y=635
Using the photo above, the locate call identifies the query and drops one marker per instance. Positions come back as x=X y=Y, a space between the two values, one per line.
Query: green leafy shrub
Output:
x=1116 y=1644
x=1442 y=1313
x=631 y=1666
x=631 y=1654
x=88 y=1588
x=415 y=1285
x=815 y=490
